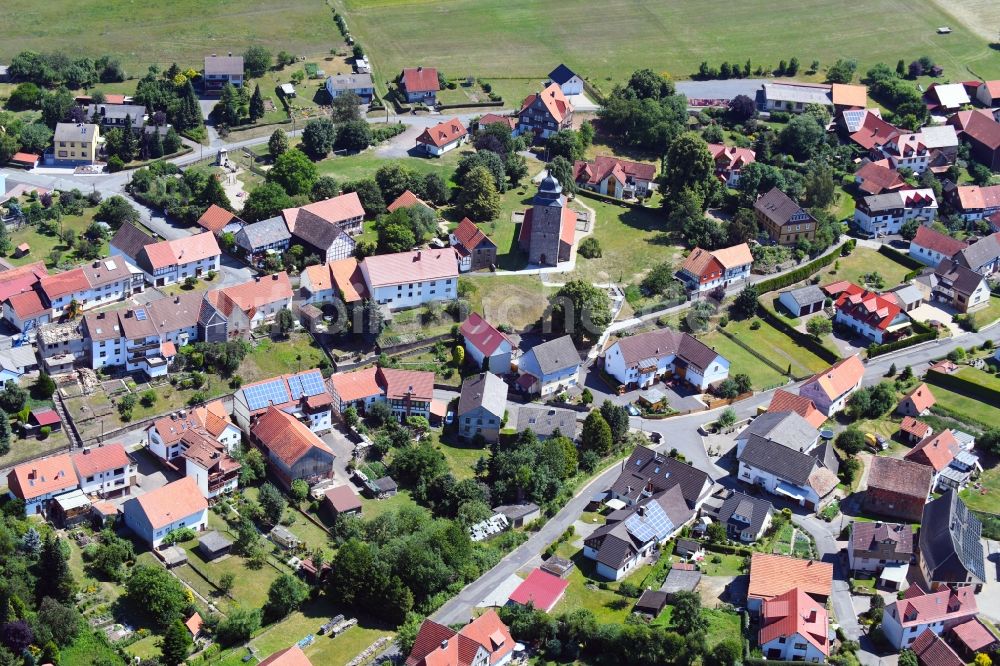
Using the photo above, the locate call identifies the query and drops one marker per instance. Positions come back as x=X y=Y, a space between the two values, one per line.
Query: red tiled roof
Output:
x=443 y=133
x=974 y=635
x=40 y=477
x=194 y=623
x=931 y=650
x=728 y=158
x=468 y=234
x=61 y=284
x=938 y=242
x=101 y=459
x=399 y=384
x=981 y=127
x=285 y=436
x=604 y=166
x=45 y=417
x=489 y=631
x=795 y=612
x=26 y=158
x=169 y=503
x=216 y=218
x=21 y=278
x=553 y=99
x=567 y=231
x=347 y=276
x=184 y=250
x=415 y=266
x=27 y=304
x=773 y=575
x=481 y=334
x=253 y=295
x=936 y=451
x=493 y=118
x=540 y=589
x=703 y=265
x=912 y=426
x=874 y=132
x=334 y=210
x=920 y=607
x=429 y=639
x=355 y=385
x=421 y=79
x=783 y=401
x=922 y=398
x=867 y=306
x=293 y=656
x=405 y=200
x=343 y=498
x=877 y=178
x=974 y=197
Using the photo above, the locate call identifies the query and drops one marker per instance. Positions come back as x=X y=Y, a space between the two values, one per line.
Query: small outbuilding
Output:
x=172 y=556
x=71 y=508
x=387 y=487
x=39 y=418
x=651 y=604
x=558 y=566
x=213 y=545
x=519 y=515
x=342 y=501
x=679 y=580
x=284 y=538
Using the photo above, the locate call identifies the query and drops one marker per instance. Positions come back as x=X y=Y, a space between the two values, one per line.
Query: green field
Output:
x=184 y=31
x=864 y=260
x=606 y=41
x=778 y=347
x=965 y=406
x=762 y=375
x=989 y=314
x=517 y=300
x=987 y=497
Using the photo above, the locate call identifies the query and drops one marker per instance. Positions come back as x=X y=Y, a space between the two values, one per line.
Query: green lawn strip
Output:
x=777 y=346
x=741 y=360
x=979 y=377
x=608 y=606
x=461 y=457
x=989 y=314
x=722 y=625
x=864 y=260
x=965 y=406
x=270 y=358
x=986 y=498
x=86 y=648
x=727 y=565
x=365 y=164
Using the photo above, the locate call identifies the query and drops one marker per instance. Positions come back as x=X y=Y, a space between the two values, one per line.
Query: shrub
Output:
x=590 y=248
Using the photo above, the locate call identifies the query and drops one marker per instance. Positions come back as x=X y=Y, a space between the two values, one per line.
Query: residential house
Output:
x=341 y=279
x=26 y=311
x=207 y=461
x=873 y=134
x=171 y=261
x=220 y=70
x=942 y=142
x=39 y=482
x=76 y=143
x=218 y=221
x=420 y=85
x=252 y=304
x=546 y=422
x=510 y=122
x=920 y=611
x=568 y=82
x=481 y=407
x=907 y=150
x=615 y=177
x=783 y=401
x=932 y=247
x=550 y=367
x=803 y=301
x=936 y=451
x=705 y=270
x=806 y=476
x=898 y=488
x=974 y=202
x=106 y=471
x=784 y=220
x=946 y=97
x=407 y=200
x=303 y=395
x=917 y=402
x=647 y=472
x=642 y=360
x=950 y=547
x=490 y=348
x=988 y=93
x=407 y=392
x=446 y=135
x=410 y=279
x=117 y=116
x=486 y=641
x=884 y=214
x=912 y=431
x=164 y=435
x=932 y=650
x=746 y=518
x=157 y=513
x=255 y=242
x=94 y=284
x=730 y=161
x=873 y=546
x=795 y=97
x=962 y=288
x=773 y=575
x=875 y=317
x=789 y=428
x=982 y=132
x=128 y=242
x=632 y=533
x=342 y=501
x=344 y=211
x=544 y=113
x=878 y=178
x=293 y=656
x=475 y=249
x=830 y=389
x=794 y=627
x=320 y=237
x=292 y=450
x=360 y=84
x=983 y=256
x=548 y=230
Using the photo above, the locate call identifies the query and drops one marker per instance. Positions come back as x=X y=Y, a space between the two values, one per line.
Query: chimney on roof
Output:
x=420 y=69
x=230 y=54
x=444 y=644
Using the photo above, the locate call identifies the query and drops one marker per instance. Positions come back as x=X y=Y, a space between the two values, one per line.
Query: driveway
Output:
x=343 y=449
x=930 y=312
x=989 y=598
x=150 y=475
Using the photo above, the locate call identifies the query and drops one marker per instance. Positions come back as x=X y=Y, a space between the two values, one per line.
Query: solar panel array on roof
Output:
x=140 y=314
x=654 y=524
x=268 y=393
x=306 y=384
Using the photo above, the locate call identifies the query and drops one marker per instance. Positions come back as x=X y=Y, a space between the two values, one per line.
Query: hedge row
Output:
x=726 y=549
x=941 y=410
x=799 y=274
x=611 y=200
x=901 y=258
x=991 y=524
x=470 y=105
x=879 y=350
x=802 y=339
x=760 y=357
x=965 y=387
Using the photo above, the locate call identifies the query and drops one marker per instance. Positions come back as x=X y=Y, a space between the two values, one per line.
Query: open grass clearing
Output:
x=987 y=496
x=347 y=168
x=372 y=508
x=777 y=346
x=463 y=37
x=26 y=448
x=274 y=357
x=727 y=565
x=864 y=260
x=762 y=375
x=43 y=244
x=516 y=300
x=979 y=377
x=963 y=406
x=722 y=625
x=461 y=456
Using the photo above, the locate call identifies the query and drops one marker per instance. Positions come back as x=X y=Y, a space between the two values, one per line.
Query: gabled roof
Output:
x=729 y=158
x=420 y=79
x=469 y=235
x=482 y=335
x=252 y=295
x=405 y=200
x=900 y=476
x=216 y=218
x=27 y=304
x=921 y=397
x=867 y=536
x=336 y=210
x=438 y=645
x=603 y=166
x=561 y=74
x=931 y=650
x=978 y=125
x=933 y=240
x=756 y=509
x=914 y=427
x=493 y=118
x=355 y=385
x=649 y=471
x=263 y=233
x=445 y=132
x=976 y=197
x=61 y=284
x=869 y=307
x=401 y=384
x=702 y=264
x=76 y=132
x=286 y=437
x=416 y=266
x=666 y=342
x=778 y=207
x=773 y=575
x=840 y=377
x=21 y=278
x=554 y=101
x=130 y=239
x=844 y=94
x=874 y=132
x=92 y=461
x=920 y=607
x=343 y=498
x=950 y=540
x=877 y=178
x=974 y=635
x=43 y=476
x=555 y=355
x=788 y=428
x=223 y=65
x=540 y=589
x=801 y=469
x=316 y=231
x=783 y=401
x=172 y=502
x=980 y=253
x=948 y=95
x=485 y=390
x=936 y=451
x=795 y=613
x=184 y=250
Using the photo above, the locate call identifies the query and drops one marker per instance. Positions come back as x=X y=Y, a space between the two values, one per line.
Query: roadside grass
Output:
x=463 y=37
x=777 y=346
x=987 y=497
x=989 y=314
x=728 y=565
x=864 y=260
x=762 y=375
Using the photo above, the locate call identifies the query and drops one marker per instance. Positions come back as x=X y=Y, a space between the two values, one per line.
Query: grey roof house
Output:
x=647 y=472
x=128 y=241
x=873 y=546
x=322 y=237
x=550 y=367
x=255 y=241
x=113 y=115
x=808 y=477
x=359 y=84
x=481 y=407
x=951 y=550
x=802 y=301
x=746 y=518
x=789 y=429
x=983 y=256
x=545 y=421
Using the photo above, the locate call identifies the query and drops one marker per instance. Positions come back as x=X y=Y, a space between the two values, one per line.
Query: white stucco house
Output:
x=639 y=361
x=157 y=513
x=408 y=279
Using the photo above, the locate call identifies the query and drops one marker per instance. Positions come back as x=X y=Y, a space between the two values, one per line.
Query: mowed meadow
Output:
x=606 y=40
x=182 y=31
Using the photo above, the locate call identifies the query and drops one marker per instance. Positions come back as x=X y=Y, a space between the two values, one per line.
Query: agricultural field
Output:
x=494 y=40
x=185 y=31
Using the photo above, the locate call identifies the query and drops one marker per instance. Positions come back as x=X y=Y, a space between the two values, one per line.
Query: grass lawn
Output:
x=607 y=605
x=31 y=447
x=722 y=625
x=778 y=347
x=864 y=260
x=979 y=377
x=371 y=508
x=516 y=300
x=728 y=565
x=989 y=314
x=364 y=164
x=516 y=38
x=462 y=457
x=311 y=535
x=161 y=33
x=986 y=498
x=762 y=375
x=145 y=648
x=965 y=406
x=43 y=244
x=270 y=358
x=782 y=542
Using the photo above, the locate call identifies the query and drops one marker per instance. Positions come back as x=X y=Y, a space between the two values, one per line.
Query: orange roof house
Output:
x=419 y=81
x=707 y=269
x=914 y=430
x=773 y=575
x=475 y=249
x=258 y=299
x=486 y=640
x=830 y=389
x=917 y=402
x=443 y=137
x=406 y=200
x=935 y=451
x=38 y=481
x=341 y=278
x=849 y=96
x=168 y=255
x=345 y=211
x=155 y=514
x=93 y=461
x=219 y=220
x=783 y=401
x=293 y=450
x=293 y=656
x=792 y=616
x=544 y=113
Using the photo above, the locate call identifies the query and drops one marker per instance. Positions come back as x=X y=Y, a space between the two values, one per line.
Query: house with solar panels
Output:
x=632 y=534
x=302 y=395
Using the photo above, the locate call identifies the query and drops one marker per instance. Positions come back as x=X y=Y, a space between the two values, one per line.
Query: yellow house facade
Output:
x=76 y=143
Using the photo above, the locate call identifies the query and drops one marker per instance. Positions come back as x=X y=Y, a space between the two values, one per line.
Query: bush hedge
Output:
x=964 y=387
x=879 y=350
x=901 y=258
x=797 y=275
x=727 y=549
x=611 y=200
x=470 y=105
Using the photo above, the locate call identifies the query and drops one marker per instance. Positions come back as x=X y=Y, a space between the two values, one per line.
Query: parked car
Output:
x=876 y=442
